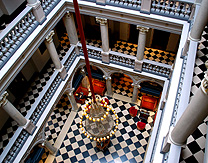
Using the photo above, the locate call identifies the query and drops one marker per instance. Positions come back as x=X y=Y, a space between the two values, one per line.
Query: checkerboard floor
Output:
x=127 y=145
x=149 y=53
x=195 y=149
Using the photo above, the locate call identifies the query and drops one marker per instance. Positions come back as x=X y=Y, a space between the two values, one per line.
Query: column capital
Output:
x=204 y=85
x=3 y=99
x=49 y=38
x=142 y=29
x=102 y=21
x=135 y=85
x=106 y=77
x=68 y=14
x=70 y=91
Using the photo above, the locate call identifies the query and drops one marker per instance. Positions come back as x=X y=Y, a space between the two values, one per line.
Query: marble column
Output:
x=193 y=116
x=54 y=55
x=70 y=28
x=135 y=92
x=200 y=22
x=15 y=114
x=108 y=85
x=53 y=150
x=69 y=92
x=37 y=10
x=141 y=47
x=105 y=39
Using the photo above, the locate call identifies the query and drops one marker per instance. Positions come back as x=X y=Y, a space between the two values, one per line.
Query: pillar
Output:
x=194 y=114
x=53 y=150
x=72 y=100
x=54 y=55
x=70 y=28
x=15 y=114
x=135 y=92
x=37 y=10
x=146 y=6
x=200 y=22
x=105 y=39
x=108 y=85
x=140 y=48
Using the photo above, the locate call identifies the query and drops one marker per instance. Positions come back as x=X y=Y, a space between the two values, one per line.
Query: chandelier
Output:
x=96 y=122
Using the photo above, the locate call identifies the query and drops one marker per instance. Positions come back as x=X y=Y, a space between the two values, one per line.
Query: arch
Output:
x=132 y=78
x=149 y=80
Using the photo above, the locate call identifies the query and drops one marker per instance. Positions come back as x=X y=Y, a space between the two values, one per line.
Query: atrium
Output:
x=147 y=61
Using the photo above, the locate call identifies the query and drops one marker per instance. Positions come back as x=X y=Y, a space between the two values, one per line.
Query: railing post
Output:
x=146 y=6
x=101 y=2
x=37 y=10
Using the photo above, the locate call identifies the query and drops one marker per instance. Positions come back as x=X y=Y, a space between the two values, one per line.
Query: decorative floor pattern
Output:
x=195 y=149
x=149 y=53
x=57 y=119
x=128 y=145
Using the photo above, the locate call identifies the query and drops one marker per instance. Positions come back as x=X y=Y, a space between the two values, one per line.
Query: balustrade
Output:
x=176 y=9
x=16 y=34
x=48 y=5
x=156 y=68
x=131 y=4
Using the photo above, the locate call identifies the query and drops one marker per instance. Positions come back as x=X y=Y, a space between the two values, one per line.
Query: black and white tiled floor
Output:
x=149 y=53
x=195 y=149
x=128 y=145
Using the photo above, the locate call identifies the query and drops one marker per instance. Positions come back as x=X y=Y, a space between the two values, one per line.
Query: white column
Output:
x=141 y=45
x=135 y=92
x=72 y=100
x=70 y=28
x=141 y=42
x=37 y=10
x=193 y=116
x=15 y=114
x=108 y=85
x=54 y=55
x=105 y=39
x=200 y=22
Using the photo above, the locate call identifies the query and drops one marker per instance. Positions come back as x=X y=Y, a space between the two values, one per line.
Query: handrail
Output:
x=15 y=34
x=170 y=8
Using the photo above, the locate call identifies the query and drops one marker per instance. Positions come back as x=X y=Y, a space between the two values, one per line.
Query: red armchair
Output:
x=80 y=94
x=133 y=111
x=148 y=103
x=141 y=125
x=99 y=87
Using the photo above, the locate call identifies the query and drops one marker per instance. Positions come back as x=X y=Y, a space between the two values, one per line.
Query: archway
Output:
x=122 y=84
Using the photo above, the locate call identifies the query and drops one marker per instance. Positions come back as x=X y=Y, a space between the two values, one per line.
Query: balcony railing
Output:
x=129 y=61
x=48 y=5
x=130 y=4
x=15 y=34
x=175 y=9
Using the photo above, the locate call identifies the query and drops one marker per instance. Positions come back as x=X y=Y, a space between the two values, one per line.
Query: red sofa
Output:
x=99 y=87
x=84 y=95
x=148 y=103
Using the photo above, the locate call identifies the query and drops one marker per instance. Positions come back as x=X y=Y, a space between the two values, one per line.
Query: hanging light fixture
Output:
x=97 y=120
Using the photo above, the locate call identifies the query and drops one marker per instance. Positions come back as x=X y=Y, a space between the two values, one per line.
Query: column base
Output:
x=138 y=65
x=29 y=127
x=105 y=57
x=167 y=141
x=62 y=73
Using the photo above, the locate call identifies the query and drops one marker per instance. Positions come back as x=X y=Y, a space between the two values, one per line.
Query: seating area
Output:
x=81 y=94
x=99 y=87
x=149 y=103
